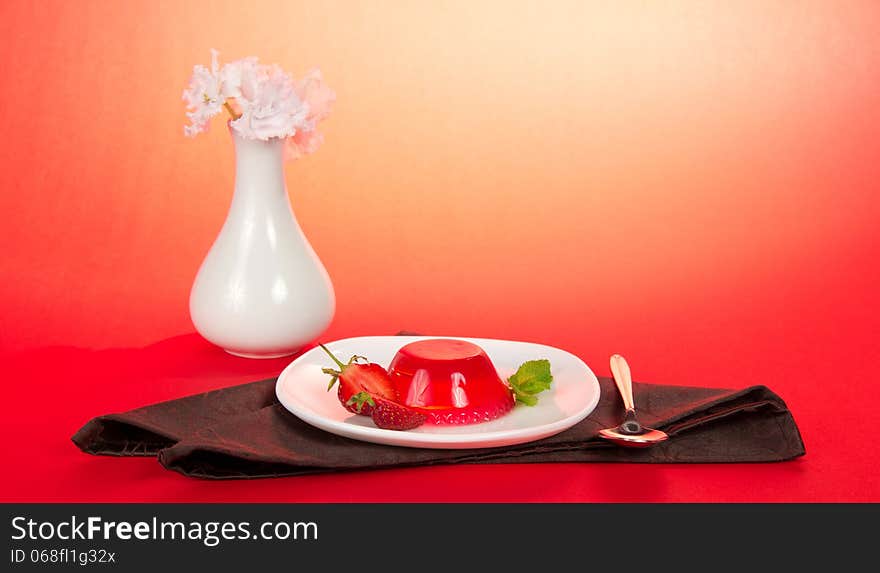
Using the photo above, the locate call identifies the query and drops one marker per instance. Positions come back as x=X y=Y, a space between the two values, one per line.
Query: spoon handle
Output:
x=623 y=379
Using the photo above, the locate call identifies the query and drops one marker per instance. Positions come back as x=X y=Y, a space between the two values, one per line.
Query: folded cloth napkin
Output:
x=243 y=432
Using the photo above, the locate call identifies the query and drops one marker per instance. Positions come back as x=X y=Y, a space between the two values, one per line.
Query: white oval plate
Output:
x=302 y=389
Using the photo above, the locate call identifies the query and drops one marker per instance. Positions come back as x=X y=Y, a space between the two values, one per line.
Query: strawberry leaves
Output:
x=358 y=400
x=335 y=374
x=532 y=378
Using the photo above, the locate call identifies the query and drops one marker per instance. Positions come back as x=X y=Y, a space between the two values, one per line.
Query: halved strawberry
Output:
x=394 y=416
x=355 y=378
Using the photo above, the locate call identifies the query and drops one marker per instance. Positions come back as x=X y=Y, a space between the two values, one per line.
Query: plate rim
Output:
x=440 y=441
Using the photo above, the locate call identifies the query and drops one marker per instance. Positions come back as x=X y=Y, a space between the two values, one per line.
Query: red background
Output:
x=694 y=185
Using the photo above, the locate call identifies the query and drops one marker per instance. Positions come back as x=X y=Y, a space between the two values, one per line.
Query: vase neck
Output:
x=259 y=169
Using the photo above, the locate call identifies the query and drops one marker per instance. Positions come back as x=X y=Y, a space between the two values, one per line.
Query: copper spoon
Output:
x=630 y=433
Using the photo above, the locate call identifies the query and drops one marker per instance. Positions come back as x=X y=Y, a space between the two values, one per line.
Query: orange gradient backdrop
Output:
x=691 y=183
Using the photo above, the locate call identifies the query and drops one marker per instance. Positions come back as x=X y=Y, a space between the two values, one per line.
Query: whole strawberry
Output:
x=394 y=416
x=359 y=383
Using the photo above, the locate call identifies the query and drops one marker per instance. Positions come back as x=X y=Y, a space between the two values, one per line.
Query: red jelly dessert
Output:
x=450 y=381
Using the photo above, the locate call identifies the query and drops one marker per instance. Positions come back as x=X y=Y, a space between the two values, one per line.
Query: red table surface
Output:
x=695 y=188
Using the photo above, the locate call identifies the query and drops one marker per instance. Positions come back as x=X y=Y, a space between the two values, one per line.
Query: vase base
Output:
x=259 y=356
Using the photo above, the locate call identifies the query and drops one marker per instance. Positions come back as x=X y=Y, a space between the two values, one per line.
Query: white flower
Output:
x=269 y=104
x=204 y=97
x=231 y=75
x=312 y=90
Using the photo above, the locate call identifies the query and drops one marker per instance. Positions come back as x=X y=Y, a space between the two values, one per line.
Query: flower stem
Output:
x=231 y=111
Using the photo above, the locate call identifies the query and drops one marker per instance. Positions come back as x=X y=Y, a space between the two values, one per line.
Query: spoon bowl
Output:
x=644 y=440
x=630 y=433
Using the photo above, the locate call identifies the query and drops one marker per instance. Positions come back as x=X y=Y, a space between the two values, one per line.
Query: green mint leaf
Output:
x=526 y=399
x=358 y=401
x=532 y=378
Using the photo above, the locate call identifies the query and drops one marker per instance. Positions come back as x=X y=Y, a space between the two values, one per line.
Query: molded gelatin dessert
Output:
x=450 y=381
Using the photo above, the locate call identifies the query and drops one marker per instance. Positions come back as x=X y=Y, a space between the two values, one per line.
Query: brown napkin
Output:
x=243 y=432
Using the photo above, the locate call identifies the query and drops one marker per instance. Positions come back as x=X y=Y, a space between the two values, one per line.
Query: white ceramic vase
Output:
x=261 y=291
